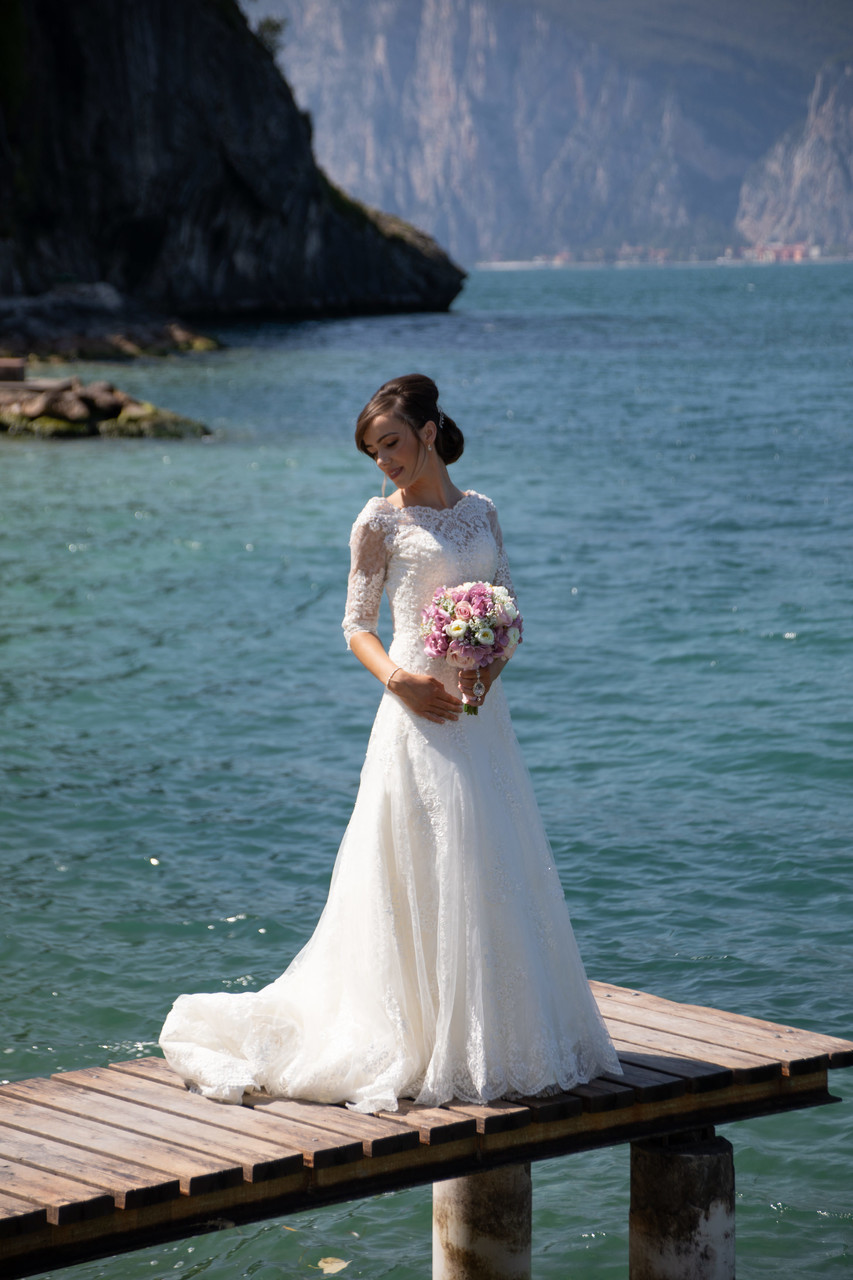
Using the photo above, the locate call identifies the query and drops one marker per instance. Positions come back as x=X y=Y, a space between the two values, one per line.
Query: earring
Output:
x=429 y=448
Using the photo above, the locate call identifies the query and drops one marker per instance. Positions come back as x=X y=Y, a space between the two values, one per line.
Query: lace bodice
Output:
x=409 y=552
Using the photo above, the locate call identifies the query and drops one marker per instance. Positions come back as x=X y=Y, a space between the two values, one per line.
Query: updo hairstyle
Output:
x=414 y=399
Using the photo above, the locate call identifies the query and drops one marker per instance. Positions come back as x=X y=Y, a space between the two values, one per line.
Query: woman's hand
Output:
x=467 y=680
x=425 y=696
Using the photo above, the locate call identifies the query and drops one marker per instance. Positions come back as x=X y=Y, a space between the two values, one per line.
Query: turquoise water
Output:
x=181 y=728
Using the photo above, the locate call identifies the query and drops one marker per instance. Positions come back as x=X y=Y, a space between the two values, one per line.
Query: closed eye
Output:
x=390 y=442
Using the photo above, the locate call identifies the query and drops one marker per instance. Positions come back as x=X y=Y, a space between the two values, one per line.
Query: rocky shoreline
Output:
x=68 y=409
x=91 y=322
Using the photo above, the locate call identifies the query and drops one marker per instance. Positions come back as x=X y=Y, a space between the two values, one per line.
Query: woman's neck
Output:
x=435 y=490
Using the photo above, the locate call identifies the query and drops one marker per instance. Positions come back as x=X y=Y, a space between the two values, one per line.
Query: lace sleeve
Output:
x=503 y=577
x=368 y=570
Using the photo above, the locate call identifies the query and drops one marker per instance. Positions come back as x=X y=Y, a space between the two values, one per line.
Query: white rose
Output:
x=456 y=630
x=486 y=635
x=504 y=603
x=513 y=635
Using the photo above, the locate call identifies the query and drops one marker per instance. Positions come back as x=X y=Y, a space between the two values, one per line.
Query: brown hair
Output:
x=414 y=399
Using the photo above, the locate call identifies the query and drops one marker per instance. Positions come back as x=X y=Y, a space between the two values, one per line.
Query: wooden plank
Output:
x=151 y=1069
x=503 y=1115
x=744 y=1066
x=157 y=1097
x=602 y=1095
x=666 y=1016
x=130 y=1186
x=434 y=1125
x=495 y=1117
x=715 y=1041
x=350 y=1126
x=63 y=1199
x=217 y=1123
x=695 y=1072
x=161 y=1071
x=197 y=1174
x=549 y=1108
x=697 y=1076
x=377 y=1137
x=648 y=1085
x=259 y=1161
x=19 y=1218
x=838 y=1050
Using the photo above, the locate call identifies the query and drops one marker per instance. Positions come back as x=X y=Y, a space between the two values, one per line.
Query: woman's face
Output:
x=395 y=448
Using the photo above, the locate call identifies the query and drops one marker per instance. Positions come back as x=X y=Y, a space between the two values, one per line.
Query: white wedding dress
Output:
x=444 y=964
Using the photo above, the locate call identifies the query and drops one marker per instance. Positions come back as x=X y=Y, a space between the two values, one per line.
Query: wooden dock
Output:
x=106 y=1160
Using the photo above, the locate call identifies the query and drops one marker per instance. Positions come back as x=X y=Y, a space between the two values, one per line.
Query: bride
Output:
x=443 y=964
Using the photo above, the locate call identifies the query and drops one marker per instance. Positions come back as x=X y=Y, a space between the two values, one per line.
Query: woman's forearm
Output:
x=423 y=694
x=372 y=654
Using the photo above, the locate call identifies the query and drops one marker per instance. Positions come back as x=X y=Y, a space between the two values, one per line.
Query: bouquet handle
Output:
x=479 y=690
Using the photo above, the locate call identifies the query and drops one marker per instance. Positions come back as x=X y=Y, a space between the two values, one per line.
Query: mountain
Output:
x=802 y=190
x=155 y=146
x=512 y=129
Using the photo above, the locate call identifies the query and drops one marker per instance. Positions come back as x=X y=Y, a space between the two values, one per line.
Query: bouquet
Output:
x=470 y=626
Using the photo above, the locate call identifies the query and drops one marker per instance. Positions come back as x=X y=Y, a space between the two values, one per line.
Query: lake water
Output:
x=182 y=729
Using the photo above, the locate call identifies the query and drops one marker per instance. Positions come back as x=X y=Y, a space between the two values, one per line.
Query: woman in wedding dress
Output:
x=444 y=964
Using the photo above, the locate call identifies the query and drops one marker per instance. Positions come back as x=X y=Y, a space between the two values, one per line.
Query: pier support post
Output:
x=481 y=1225
x=682 y=1222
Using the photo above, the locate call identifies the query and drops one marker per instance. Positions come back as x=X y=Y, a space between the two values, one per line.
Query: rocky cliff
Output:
x=154 y=145
x=505 y=132
x=802 y=190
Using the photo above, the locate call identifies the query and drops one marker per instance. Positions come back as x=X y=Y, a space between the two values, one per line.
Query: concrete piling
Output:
x=481 y=1225
x=682 y=1219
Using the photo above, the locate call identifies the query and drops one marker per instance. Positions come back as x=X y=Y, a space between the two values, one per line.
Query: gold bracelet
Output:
x=391 y=677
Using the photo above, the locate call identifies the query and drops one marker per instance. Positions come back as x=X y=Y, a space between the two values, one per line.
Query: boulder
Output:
x=67 y=409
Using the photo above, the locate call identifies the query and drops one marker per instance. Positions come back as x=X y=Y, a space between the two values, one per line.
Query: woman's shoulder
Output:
x=377 y=514
x=473 y=495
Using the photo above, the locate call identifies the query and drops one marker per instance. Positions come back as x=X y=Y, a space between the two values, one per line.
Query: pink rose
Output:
x=434 y=614
x=436 y=644
x=463 y=610
x=461 y=655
